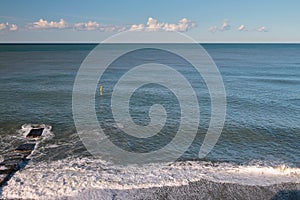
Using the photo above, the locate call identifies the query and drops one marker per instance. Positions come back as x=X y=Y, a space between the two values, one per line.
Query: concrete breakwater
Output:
x=17 y=158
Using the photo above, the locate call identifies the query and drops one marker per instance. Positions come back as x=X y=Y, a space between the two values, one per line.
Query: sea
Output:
x=258 y=145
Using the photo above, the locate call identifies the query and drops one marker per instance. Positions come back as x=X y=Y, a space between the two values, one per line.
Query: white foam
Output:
x=73 y=176
x=26 y=128
x=3 y=168
x=54 y=146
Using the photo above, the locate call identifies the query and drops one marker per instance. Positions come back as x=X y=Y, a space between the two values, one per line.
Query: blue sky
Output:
x=203 y=20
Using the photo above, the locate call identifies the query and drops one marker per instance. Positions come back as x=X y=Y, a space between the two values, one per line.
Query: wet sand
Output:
x=202 y=189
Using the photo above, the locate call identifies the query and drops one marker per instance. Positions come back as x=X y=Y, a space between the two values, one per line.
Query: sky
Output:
x=206 y=21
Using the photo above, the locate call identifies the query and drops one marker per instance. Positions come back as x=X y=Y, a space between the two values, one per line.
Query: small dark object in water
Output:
x=25 y=147
x=35 y=132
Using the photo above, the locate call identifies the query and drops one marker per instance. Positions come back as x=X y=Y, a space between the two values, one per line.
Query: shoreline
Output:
x=87 y=178
x=202 y=189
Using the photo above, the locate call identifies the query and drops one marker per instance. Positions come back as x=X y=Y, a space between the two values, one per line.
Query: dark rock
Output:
x=35 y=132
x=28 y=147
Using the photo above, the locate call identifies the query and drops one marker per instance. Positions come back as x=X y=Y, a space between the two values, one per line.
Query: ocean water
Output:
x=262 y=126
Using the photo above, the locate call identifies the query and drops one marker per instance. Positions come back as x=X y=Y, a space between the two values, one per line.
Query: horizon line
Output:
x=94 y=42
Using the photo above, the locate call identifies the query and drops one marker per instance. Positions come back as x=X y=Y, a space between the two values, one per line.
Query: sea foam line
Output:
x=72 y=176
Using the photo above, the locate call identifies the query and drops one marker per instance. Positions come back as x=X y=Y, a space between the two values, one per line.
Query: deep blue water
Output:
x=262 y=83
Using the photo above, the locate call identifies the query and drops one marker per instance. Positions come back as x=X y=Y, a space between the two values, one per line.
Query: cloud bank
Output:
x=152 y=24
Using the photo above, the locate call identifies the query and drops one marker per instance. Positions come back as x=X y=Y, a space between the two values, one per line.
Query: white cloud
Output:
x=109 y=28
x=13 y=27
x=7 y=26
x=44 y=24
x=153 y=25
x=224 y=27
x=262 y=29
x=2 y=26
x=136 y=27
x=182 y=25
x=213 y=29
x=95 y=26
x=87 y=26
x=259 y=29
x=242 y=27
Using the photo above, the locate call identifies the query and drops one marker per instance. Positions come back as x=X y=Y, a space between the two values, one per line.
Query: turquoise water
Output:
x=261 y=81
